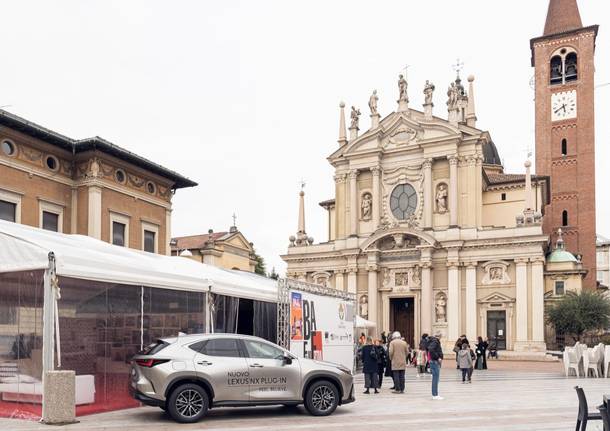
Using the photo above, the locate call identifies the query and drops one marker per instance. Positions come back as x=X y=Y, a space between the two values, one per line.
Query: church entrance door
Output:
x=402 y=318
x=496 y=328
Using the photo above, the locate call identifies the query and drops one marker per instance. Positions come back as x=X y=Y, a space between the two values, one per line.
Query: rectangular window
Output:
x=503 y=196
x=149 y=241
x=600 y=275
x=560 y=288
x=50 y=221
x=8 y=211
x=118 y=233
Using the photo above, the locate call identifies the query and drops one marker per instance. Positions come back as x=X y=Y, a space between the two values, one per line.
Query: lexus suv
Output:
x=190 y=374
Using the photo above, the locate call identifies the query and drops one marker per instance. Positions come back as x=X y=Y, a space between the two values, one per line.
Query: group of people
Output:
x=390 y=355
x=467 y=359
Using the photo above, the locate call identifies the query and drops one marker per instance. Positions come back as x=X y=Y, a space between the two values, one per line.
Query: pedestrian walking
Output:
x=399 y=352
x=435 y=352
x=465 y=362
x=369 y=366
x=382 y=359
x=481 y=351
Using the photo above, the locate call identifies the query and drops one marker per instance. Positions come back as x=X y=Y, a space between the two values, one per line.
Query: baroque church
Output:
x=432 y=235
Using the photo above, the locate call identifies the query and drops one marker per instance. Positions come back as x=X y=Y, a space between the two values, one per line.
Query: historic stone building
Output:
x=228 y=250
x=433 y=235
x=88 y=187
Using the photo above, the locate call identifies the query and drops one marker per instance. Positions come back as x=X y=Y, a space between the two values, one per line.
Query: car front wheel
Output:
x=322 y=398
x=188 y=403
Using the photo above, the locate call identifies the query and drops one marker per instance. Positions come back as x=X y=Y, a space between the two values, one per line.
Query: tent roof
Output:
x=24 y=248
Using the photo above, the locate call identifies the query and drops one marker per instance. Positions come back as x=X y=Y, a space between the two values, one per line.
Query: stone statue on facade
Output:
x=441 y=309
x=402 y=89
x=355 y=117
x=453 y=96
x=373 y=102
x=363 y=306
x=441 y=198
x=387 y=279
x=428 y=91
x=366 y=207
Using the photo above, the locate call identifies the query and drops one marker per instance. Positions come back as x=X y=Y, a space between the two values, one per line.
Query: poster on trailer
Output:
x=322 y=328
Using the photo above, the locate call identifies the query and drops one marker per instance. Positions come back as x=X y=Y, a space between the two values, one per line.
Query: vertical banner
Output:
x=296 y=316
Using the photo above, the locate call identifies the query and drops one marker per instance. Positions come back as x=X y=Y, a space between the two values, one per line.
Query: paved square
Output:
x=510 y=396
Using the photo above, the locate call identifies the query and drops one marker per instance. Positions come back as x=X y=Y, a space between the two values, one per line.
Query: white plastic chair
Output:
x=606 y=360
x=574 y=361
x=566 y=361
x=592 y=361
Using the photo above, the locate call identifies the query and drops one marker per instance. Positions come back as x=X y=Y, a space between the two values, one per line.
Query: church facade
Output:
x=430 y=232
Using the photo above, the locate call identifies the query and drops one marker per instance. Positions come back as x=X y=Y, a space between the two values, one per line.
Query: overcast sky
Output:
x=242 y=97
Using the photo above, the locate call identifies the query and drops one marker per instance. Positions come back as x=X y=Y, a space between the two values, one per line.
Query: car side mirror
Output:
x=287 y=359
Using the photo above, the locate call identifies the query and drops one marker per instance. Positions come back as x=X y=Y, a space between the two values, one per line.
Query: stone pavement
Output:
x=515 y=396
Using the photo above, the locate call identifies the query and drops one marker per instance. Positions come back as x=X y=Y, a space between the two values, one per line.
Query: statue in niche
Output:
x=441 y=198
x=363 y=306
x=428 y=91
x=366 y=207
x=94 y=169
x=402 y=89
x=355 y=116
x=441 y=308
x=373 y=103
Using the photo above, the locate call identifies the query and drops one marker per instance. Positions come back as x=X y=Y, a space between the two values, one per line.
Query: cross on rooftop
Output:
x=458 y=66
x=302 y=184
x=234 y=220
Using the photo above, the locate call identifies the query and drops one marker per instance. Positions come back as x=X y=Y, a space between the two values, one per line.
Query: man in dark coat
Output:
x=370 y=366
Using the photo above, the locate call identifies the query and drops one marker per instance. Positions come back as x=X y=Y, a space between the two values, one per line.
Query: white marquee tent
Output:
x=24 y=248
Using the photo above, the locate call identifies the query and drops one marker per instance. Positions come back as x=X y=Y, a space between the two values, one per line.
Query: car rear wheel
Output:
x=188 y=403
x=322 y=398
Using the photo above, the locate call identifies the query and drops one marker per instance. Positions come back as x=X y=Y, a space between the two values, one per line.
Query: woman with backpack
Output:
x=370 y=366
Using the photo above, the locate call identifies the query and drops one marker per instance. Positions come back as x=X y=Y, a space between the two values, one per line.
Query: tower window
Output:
x=564 y=147
x=503 y=196
x=564 y=218
x=556 y=70
x=564 y=67
x=571 y=69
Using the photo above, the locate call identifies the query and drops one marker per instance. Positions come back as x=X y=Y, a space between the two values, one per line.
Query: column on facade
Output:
x=538 y=300
x=168 y=231
x=74 y=211
x=471 y=300
x=353 y=205
x=428 y=193
x=521 y=302
x=479 y=188
x=94 y=216
x=339 y=284
x=453 y=301
x=376 y=172
x=372 y=293
x=453 y=190
x=352 y=280
x=426 y=298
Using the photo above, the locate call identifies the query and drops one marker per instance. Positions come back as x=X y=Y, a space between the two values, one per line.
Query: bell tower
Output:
x=563 y=58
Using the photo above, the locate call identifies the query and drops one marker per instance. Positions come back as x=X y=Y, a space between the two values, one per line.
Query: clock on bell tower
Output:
x=563 y=58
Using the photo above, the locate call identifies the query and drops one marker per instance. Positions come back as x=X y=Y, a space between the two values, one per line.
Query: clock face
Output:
x=563 y=105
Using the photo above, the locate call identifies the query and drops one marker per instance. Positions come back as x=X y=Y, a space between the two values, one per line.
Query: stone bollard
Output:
x=58 y=405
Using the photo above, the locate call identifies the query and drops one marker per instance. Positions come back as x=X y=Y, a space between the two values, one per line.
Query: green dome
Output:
x=561 y=255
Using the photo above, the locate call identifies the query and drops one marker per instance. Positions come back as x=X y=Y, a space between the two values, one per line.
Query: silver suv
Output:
x=188 y=375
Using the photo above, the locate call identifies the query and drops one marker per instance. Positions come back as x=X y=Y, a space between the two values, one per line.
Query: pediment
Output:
x=399 y=131
x=238 y=240
x=496 y=297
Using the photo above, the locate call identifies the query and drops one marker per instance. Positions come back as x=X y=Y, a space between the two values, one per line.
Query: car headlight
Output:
x=345 y=370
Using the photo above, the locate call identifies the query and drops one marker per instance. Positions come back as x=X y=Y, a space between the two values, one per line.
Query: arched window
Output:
x=564 y=218
x=556 y=70
x=571 y=67
x=564 y=147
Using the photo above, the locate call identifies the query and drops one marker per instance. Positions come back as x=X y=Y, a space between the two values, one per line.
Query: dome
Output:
x=561 y=255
